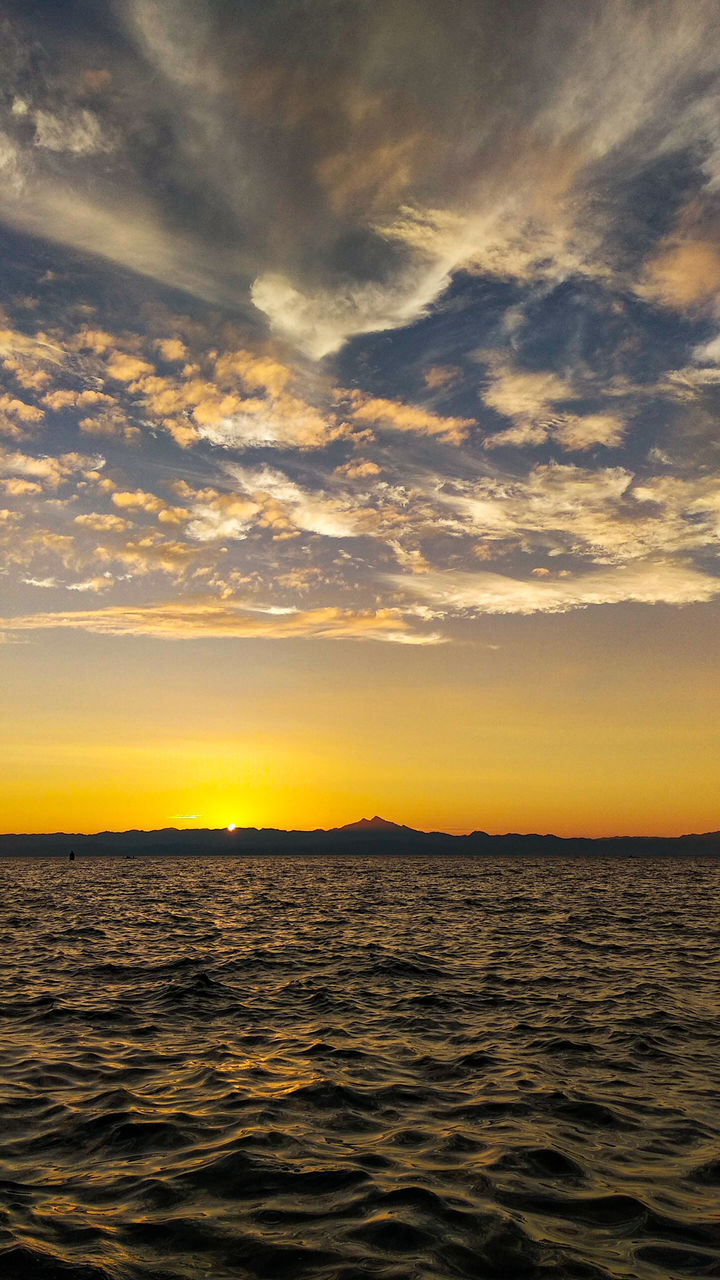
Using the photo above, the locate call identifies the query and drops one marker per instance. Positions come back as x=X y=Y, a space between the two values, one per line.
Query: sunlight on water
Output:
x=402 y=1068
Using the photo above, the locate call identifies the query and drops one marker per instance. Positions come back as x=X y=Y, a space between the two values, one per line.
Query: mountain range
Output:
x=367 y=836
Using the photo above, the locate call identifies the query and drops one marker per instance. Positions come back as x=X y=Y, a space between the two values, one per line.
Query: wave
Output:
x=295 y=1069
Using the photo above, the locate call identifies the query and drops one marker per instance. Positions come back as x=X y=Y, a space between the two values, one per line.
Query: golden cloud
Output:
x=171 y=349
x=259 y=372
x=684 y=274
x=211 y=619
x=57 y=400
x=359 y=470
x=103 y=522
x=404 y=417
x=138 y=500
x=48 y=470
x=127 y=368
x=18 y=488
x=20 y=409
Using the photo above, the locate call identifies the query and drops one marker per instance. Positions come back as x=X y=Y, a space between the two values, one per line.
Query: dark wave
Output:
x=355 y=1069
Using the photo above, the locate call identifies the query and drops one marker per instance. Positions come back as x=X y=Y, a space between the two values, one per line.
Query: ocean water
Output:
x=359 y=1068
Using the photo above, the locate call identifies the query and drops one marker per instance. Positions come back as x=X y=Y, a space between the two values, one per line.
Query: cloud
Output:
x=50 y=471
x=603 y=513
x=359 y=469
x=20 y=409
x=244 y=401
x=148 y=553
x=102 y=522
x=88 y=584
x=126 y=230
x=522 y=393
x=532 y=399
x=45 y=583
x=319 y=321
x=214 y=516
x=66 y=399
x=578 y=432
x=138 y=500
x=35 y=350
x=437 y=376
x=555 y=139
x=16 y=416
x=212 y=619
x=397 y=416
x=126 y=368
x=78 y=132
x=11 y=165
x=172 y=349
x=258 y=371
x=287 y=505
x=283 y=423
x=494 y=593
x=684 y=274
x=16 y=487
x=111 y=424
x=91 y=584
x=708 y=352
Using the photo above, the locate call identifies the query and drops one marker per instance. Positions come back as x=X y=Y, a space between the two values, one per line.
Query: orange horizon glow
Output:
x=90 y=790
x=574 y=725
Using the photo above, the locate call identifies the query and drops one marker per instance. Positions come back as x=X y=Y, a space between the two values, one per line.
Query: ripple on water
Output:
x=358 y=1069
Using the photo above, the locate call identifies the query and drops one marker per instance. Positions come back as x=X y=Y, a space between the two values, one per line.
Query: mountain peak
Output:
x=374 y=824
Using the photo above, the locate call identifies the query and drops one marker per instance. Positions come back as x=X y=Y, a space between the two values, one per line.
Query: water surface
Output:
x=345 y=1068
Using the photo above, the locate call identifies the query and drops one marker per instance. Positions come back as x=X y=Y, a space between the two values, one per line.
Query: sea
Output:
x=355 y=1067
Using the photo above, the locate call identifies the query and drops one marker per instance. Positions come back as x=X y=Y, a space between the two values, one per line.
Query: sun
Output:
x=231 y=826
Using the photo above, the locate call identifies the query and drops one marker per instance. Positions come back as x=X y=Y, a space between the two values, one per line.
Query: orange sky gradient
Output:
x=359 y=404
x=577 y=724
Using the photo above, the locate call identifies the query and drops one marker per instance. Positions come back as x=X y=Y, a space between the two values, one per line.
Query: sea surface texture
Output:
x=347 y=1068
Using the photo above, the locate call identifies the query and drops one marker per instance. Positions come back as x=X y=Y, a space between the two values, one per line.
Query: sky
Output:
x=359 y=391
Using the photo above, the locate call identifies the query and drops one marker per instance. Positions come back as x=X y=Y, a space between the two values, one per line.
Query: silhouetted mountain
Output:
x=374 y=825
x=368 y=836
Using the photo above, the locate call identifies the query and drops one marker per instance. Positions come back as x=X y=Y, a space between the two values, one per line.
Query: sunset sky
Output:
x=359 y=391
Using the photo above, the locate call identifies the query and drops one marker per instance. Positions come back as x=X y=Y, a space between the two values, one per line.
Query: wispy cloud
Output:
x=211 y=619
x=482 y=140
x=648 y=583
